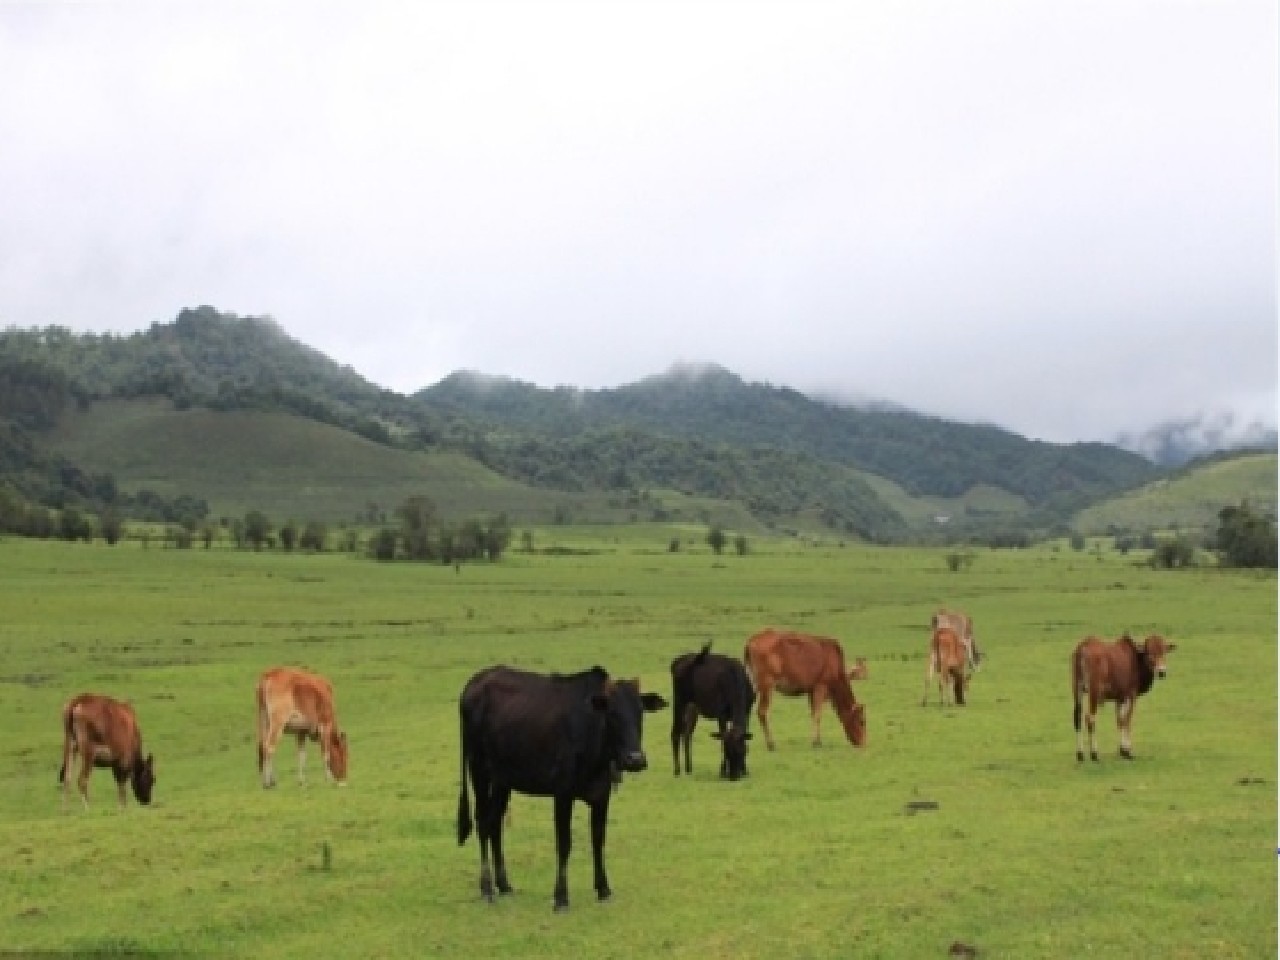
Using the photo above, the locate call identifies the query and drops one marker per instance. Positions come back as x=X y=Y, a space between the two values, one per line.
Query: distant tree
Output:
x=741 y=545
x=497 y=537
x=1077 y=541
x=383 y=544
x=1174 y=553
x=257 y=529
x=313 y=536
x=74 y=525
x=674 y=545
x=959 y=560
x=112 y=527
x=716 y=538
x=288 y=534
x=1245 y=539
x=418 y=524
x=526 y=541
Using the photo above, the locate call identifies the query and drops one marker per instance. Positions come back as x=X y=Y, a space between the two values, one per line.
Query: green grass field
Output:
x=1028 y=854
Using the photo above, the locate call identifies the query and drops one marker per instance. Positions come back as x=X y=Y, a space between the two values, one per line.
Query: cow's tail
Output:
x=260 y=721
x=1077 y=685
x=68 y=740
x=464 y=802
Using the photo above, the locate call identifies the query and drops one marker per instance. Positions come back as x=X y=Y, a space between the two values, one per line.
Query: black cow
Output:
x=566 y=737
x=718 y=688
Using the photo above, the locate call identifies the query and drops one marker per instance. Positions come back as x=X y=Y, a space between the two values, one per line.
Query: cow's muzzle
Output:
x=634 y=762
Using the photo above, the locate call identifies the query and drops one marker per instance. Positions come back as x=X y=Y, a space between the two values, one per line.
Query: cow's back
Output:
x=536 y=731
x=100 y=722
x=286 y=691
x=1106 y=667
x=792 y=661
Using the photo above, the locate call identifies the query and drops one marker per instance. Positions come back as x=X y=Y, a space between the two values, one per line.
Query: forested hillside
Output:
x=693 y=432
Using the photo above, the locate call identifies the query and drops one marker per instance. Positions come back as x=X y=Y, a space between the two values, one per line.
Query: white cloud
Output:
x=1059 y=218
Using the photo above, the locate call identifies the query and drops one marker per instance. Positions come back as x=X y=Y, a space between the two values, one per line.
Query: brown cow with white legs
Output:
x=295 y=701
x=104 y=732
x=1120 y=671
x=796 y=663
x=947 y=658
x=962 y=624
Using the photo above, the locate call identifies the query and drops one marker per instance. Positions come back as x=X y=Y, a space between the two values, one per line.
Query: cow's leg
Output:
x=564 y=843
x=122 y=777
x=1124 y=722
x=724 y=755
x=599 y=825
x=86 y=768
x=501 y=797
x=690 y=721
x=484 y=823
x=1091 y=721
x=762 y=711
x=68 y=755
x=677 y=731
x=817 y=697
x=274 y=730
x=928 y=680
x=302 y=759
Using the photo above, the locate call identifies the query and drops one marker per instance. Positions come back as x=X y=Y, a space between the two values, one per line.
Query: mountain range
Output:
x=693 y=442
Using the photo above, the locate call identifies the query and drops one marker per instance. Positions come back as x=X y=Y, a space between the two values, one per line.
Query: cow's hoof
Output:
x=1093 y=756
x=1126 y=755
x=1080 y=755
x=561 y=907
x=604 y=896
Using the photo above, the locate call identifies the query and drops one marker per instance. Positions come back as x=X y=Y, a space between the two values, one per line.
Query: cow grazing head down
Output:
x=854 y=721
x=336 y=749
x=142 y=777
x=734 y=744
x=624 y=708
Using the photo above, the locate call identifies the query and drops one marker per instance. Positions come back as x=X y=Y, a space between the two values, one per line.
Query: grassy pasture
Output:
x=817 y=854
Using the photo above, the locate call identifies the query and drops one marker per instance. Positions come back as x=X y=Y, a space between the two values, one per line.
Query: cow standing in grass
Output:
x=565 y=737
x=947 y=658
x=1120 y=671
x=295 y=701
x=962 y=624
x=718 y=688
x=796 y=664
x=105 y=733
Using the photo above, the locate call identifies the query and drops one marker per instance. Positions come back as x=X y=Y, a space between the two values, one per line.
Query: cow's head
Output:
x=854 y=721
x=336 y=757
x=734 y=743
x=1154 y=650
x=624 y=707
x=142 y=777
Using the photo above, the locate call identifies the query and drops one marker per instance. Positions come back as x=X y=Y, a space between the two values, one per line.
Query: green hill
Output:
x=289 y=466
x=234 y=411
x=1189 y=500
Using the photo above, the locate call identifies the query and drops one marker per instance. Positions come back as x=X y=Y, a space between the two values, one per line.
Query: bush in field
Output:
x=257 y=529
x=1245 y=539
x=313 y=536
x=1174 y=554
x=716 y=539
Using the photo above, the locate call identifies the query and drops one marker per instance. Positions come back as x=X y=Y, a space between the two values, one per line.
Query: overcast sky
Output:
x=1057 y=217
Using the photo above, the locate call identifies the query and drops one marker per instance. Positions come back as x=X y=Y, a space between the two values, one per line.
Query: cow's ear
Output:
x=653 y=702
x=600 y=702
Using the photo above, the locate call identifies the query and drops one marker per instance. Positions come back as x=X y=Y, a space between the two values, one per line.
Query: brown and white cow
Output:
x=105 y=733
x=796 y=663
x=948 y=659
x=295 y=701
x=962 y=624
x=1120 y=671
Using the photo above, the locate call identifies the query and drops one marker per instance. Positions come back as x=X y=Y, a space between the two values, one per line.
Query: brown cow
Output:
x=1120 y=671
x=795 y=663
x=105 y=733
x=947 y=657
x=298 y=702
x=962 y=624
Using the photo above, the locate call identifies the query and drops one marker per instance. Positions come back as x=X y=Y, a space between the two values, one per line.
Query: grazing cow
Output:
x=795 y=663
x=105 y=733
x=962 y=624
x=565 y=737
x=718 y=688
x=947 y=658
x=1120 y=671
x=295 y=701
